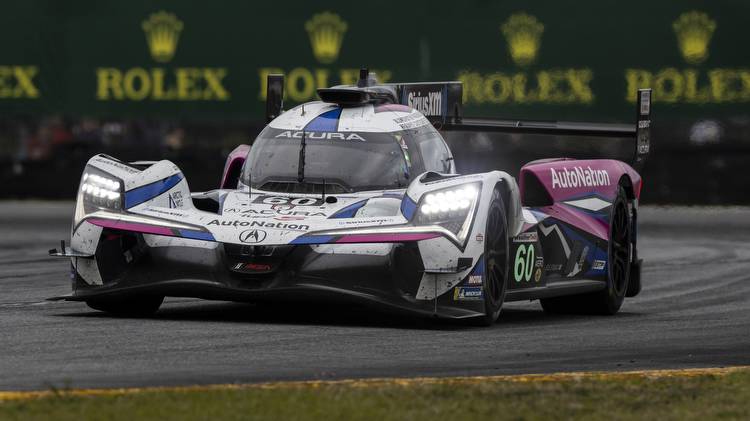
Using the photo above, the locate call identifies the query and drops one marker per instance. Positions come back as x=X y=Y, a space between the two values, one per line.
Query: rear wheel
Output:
x=609 y=300
x=131 y=306
x=495 y=260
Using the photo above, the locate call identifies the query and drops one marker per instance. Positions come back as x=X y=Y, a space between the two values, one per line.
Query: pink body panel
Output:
x=570 y=179
x=236 y=158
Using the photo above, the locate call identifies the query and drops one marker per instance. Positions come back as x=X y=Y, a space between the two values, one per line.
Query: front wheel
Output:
x=495 y=260
x=130 y=306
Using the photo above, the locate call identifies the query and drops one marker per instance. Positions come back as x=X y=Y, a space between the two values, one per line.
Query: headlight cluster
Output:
x=444 y=203
x=101 y=191
x=451 y=208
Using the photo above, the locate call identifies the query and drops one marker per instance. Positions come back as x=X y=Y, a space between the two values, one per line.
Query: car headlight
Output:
x=451 y=208
x=100 y=189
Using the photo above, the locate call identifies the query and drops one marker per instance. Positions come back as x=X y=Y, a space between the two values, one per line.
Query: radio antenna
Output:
x=301 y=165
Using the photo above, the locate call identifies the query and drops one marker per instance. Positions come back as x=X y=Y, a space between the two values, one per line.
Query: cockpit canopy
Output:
x=301 y=161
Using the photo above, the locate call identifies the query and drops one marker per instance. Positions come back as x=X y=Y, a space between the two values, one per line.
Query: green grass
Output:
x=636 y=397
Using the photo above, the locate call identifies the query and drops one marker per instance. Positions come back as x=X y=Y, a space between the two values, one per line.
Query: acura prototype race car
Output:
x=356 y=197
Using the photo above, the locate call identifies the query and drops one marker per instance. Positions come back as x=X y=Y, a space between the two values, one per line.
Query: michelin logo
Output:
x=467 y=293
x=579 y=177
x=430 y=105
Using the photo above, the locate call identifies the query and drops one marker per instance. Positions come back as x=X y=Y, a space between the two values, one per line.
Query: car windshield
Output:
x=345 y=161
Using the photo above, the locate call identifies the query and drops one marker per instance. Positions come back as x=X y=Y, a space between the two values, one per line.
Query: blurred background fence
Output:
x=185 y=80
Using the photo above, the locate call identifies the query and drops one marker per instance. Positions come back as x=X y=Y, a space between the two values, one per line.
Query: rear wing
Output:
x=640 y=132
x=441 y=103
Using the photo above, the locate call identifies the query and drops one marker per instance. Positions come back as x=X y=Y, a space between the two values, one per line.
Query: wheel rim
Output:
x=619 y=255
x=495 y=256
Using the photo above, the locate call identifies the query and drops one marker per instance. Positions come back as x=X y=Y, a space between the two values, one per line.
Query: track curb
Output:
x=379 y=382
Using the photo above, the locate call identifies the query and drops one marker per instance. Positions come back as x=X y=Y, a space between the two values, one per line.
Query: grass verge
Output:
x=664 y=395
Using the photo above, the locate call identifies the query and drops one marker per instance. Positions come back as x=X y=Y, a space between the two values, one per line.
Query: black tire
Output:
x=609 y=300
x=495 y=276
x=130 y=306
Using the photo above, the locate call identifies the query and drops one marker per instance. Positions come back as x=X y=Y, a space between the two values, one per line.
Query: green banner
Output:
x=208 y=60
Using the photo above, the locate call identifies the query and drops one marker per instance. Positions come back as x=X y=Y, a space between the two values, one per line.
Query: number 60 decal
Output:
x=524 y=265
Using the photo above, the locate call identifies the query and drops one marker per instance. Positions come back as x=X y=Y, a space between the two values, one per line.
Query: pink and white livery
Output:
x=356 y=197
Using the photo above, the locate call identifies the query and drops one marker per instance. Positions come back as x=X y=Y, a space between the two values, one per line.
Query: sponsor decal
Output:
x=526 y=237
x=320 y=135
x=261 y=224
x=524 y=263
x=693 y=84
x=523 y=36
x=411 y=121
x=199 y=83
x=598 y=264
x=480 y=237
x=537 y=274
x=18 y=82
x=539 y=262
x=326 y=32
x=267 y=213
x=523 y=33
x=258 y=267
x=467 y=293
x=128 y=169
x=427 y=103
x=175 y=200
x=583 y=256
x=579 y=177
x=553 y=267
x=252 y=236
x=475 y=280
x=170 y=213
x=286 y=203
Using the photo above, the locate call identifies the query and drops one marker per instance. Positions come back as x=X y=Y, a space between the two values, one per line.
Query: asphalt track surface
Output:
x=692 y=312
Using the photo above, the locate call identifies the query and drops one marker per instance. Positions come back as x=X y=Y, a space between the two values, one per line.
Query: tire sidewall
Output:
x=492 y=307
x=615 y=297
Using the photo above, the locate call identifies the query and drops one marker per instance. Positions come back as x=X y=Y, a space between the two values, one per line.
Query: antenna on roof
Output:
x=364 y=75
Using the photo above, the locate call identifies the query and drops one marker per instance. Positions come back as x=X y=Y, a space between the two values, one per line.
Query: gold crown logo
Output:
x=694 y=30
x=523 y=33
x=326 y=31
x=162 y=33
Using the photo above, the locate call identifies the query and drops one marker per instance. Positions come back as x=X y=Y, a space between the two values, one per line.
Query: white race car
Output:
x=356 y=197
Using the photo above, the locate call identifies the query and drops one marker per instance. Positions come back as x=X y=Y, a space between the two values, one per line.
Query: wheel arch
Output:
x=511 y=196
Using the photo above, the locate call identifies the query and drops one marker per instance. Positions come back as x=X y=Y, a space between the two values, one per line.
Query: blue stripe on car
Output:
x=149 y=191
x=326 y=122
x=197 y=235
x=349 y=211
x=408 y=207
x=313 y=239
x=479 y=268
